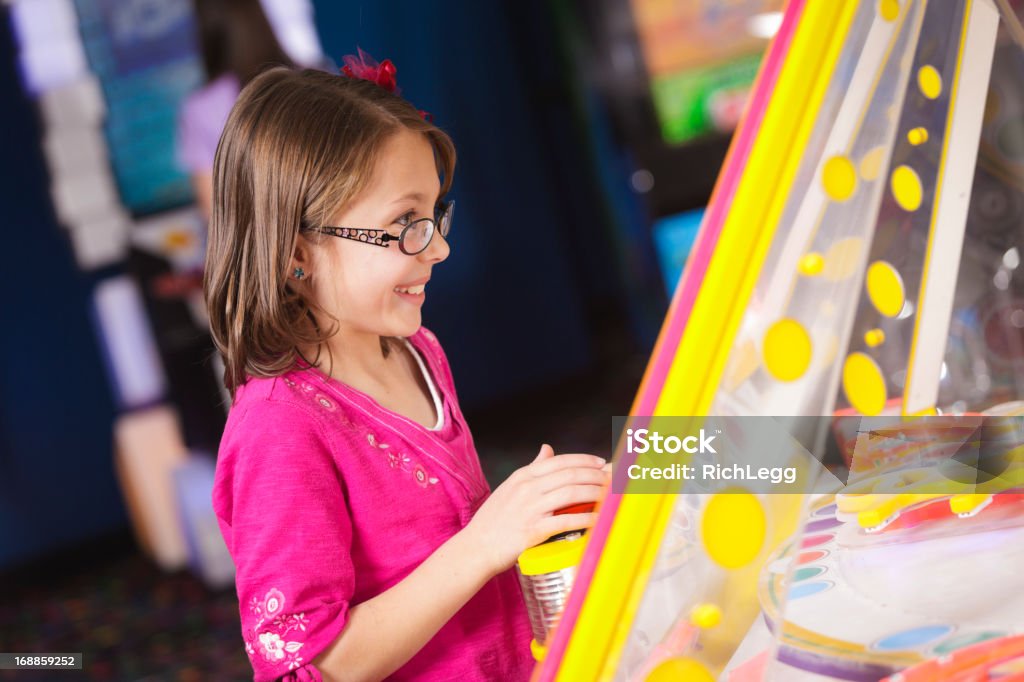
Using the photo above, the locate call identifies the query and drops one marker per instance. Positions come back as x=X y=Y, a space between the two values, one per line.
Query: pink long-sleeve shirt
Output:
x=326 y=499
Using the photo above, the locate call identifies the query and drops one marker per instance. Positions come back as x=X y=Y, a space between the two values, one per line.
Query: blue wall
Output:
x=56 y=465
x=507 y=304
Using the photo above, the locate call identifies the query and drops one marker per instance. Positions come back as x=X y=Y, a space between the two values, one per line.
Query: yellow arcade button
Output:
x=552 y=556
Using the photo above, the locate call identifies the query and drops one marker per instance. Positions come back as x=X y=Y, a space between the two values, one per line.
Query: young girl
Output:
x=349 y=492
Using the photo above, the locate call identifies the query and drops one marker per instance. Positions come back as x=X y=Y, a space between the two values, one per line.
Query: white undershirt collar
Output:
x=438 y=406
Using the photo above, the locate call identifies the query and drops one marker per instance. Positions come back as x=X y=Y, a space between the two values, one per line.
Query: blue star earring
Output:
x=299 y=273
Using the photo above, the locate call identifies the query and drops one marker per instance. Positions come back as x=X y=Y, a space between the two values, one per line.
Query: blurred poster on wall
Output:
x=145 y=34
x=145 y=55
x=702 y=57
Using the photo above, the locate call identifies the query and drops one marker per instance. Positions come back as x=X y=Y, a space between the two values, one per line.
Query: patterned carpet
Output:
x=133 y=622
x=130 y=620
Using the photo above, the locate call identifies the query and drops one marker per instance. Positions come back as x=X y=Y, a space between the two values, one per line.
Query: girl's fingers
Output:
x=573 y=476
x=572 y=494
x=553 y=525
x=546 y=452
x=551 y=464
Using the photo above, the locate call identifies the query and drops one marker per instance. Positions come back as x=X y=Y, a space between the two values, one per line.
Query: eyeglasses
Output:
x=415 y=236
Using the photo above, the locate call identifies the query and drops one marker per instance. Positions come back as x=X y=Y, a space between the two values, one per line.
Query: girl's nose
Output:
x=437 y=250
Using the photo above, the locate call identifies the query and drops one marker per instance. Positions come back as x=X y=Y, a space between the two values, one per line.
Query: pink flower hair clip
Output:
x=365 y=67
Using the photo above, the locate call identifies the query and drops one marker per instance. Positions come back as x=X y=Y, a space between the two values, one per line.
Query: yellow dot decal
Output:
x=839 y=178
x=930 y=82
x=842 y=259
x=787 y=350
x=706 y=616
x=906 y=188
x=871 y=163
x=812 y=264
x=889 y=9
x=917 y=136
x=864 y=385
x=733 y=528
x=885 y=288
x=680 y=669
x=874 y=338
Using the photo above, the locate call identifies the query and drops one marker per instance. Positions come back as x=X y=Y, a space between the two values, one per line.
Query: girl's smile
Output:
x=414 y=292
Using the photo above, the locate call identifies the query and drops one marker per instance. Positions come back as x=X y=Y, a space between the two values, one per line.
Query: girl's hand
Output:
x=520 y=512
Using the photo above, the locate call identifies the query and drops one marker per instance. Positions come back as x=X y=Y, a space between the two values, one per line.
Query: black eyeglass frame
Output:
x=380 y=237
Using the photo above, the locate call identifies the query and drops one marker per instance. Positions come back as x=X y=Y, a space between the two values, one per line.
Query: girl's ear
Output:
x=302 y=261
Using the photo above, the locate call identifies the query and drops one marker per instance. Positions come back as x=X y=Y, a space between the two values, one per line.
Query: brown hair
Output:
x=236 y=37
x=297 y=146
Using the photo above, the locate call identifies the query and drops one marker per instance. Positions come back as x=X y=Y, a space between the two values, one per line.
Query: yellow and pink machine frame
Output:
x=827 y=260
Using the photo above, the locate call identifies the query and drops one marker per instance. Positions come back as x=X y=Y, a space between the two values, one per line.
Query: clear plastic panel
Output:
x=831 y=594
x=839 y=184
x=900 y=572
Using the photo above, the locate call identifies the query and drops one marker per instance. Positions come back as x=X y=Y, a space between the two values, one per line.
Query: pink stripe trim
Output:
x=678 y=315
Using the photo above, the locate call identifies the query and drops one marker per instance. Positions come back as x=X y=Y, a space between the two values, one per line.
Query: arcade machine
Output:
x=859 y=260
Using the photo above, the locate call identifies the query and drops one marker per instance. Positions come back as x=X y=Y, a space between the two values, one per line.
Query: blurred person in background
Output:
x=237 y=42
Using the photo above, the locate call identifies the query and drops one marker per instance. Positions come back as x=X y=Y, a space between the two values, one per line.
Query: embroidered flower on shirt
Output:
x=307 y=387
x=270 y=642
x=274 y=648
x=399 y=460
x=372 y=440
x=286 y=624
x=289 y=381
x=274 y=602
x=325 y=402
x=422 y=477
x=294 y=661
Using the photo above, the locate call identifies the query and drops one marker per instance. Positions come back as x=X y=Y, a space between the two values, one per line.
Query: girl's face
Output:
x=373 y=289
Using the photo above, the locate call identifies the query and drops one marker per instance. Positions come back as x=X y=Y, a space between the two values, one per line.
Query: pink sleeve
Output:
x=290 y=537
